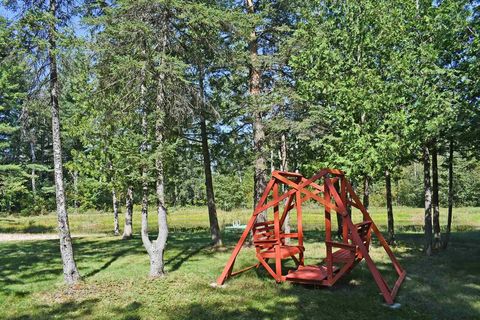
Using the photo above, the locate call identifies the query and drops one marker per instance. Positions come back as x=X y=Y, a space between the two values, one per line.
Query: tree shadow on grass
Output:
x=442 y=286
x=65 y=310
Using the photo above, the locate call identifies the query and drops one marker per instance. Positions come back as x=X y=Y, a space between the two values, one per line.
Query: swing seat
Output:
x=350 y=252
x=285 y=252
x=265 y=242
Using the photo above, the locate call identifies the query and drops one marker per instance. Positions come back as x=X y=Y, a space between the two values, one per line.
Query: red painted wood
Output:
x=268 y=237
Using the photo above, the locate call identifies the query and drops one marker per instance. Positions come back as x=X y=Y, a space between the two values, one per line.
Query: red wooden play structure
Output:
x=330 y=188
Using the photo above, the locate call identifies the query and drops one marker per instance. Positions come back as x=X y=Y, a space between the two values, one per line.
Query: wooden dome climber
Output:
x=330 y=188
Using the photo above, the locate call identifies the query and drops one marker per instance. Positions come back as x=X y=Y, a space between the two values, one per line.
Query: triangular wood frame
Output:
x=297 y=191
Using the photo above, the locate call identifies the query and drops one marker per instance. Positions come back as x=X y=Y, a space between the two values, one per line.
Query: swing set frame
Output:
x=331 y=189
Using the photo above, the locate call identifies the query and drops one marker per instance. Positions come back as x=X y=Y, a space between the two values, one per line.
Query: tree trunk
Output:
x=128 y=227
x=436 y=208
x=116 y=227
x=450 y=195
x=156 y=248
x=390 y=220
x=212 y=210
x=260 y=165
x=70 y=271
x=428 y=201
x=155 y=255
x=339 y=216
x=33 y=173
x=366 y=192
x=284 y=167
x=75 y=191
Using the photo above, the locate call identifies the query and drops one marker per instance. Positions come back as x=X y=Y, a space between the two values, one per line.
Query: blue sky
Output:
x=4 y=12
x=78 y=28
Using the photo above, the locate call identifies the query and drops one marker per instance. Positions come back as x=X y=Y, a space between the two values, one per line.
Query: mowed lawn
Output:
x=443 y=286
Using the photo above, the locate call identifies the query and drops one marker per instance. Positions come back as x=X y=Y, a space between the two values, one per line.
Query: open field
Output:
x=406 y=219
x=443 y=286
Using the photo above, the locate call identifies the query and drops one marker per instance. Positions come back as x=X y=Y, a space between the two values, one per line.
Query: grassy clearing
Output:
x=406 y=219
x=443 y=286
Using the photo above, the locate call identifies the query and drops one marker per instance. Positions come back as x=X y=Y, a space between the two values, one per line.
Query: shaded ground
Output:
x=444 y=286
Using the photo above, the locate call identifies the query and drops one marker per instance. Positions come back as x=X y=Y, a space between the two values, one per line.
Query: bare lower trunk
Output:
x=70 y=271
x=428 y=201
x=450 y=195
x=390 y=220
x=128 y=228
x=366 y=192
x=435 y=205
x=260 y=164
x=156 y=248
x=284 y=167
x=116 y=227
x=212 y=209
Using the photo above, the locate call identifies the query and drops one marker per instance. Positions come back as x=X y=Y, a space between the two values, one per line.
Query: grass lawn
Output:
x=406 y=219
x=443 y=286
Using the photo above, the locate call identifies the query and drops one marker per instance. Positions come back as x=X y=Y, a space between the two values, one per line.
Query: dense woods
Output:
x=166 y=103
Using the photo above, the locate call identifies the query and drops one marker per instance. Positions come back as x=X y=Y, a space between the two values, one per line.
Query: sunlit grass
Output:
x=406 y=219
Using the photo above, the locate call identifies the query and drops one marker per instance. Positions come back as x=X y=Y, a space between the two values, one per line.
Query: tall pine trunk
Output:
x=128 y=226
x=260 y=164
x=450 y=194
x=366 y=192
x=212 y=210
x=390 y=220
x=284 y=167
x=428 y=201
x=116 y=227
x=33 y=173
x=435 y=205
x=70 y=271
x=339 y=216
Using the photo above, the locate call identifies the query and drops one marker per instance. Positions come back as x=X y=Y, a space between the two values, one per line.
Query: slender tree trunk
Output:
x=116 y=227
x=75 y=191
x=366 y=192
x=156 y=248
x=436 y=208
x=128 y=227
x=388 y=190
x=155 y=256
x=33 y=173
x=212 y=209
x=339 y=216
x=428 y=201
x=70 y=271
x=450 y=195
x=272 y=161
x=260 y=165
x=284 y=167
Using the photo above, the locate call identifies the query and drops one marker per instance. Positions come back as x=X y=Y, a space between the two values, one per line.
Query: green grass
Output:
x=406 y=219
x=443 y=286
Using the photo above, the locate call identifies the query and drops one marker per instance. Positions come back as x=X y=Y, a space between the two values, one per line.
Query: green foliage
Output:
x=361 y=86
